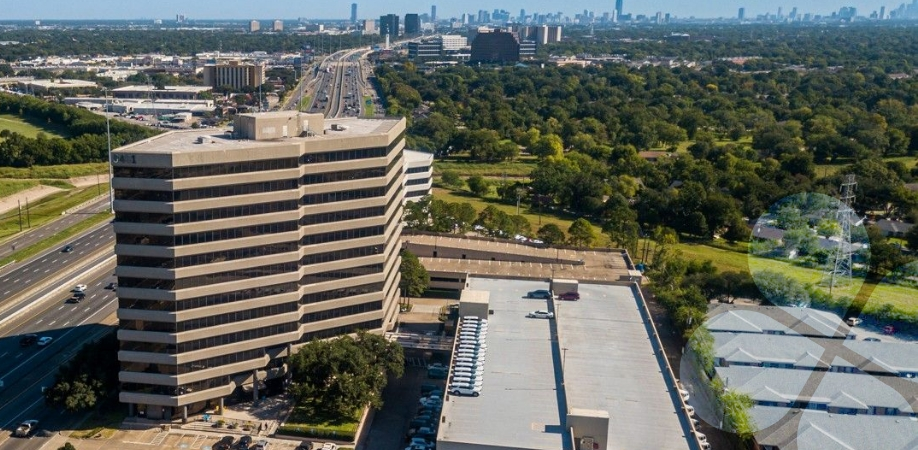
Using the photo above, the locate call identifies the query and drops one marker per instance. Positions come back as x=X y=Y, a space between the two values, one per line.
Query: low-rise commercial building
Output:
x=236 y=74
x=166 y=93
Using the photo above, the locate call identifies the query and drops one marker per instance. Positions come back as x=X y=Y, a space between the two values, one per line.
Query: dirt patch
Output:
x=31 y=195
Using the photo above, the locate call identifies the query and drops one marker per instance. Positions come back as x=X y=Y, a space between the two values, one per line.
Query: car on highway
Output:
x=75 y=299
x=79 y=288
x=569 y=296
x=541 y=315
x=26 y=428
x=113 y=286
x=28 y=339
x=44 y=340
x=539 y=293
x=67 y=249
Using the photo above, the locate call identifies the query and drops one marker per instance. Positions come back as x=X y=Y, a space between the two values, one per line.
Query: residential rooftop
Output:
x=777 y=320
x=819 y=430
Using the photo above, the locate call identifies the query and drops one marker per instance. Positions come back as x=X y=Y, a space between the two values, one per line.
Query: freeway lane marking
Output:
x=62 y=307
x=47 y=270
x=52 y=323
x=7 y=292
x=4 y=354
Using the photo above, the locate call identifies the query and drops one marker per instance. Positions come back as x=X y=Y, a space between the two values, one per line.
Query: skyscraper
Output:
x=234 y=251
x=742 y=14
x=412 y=24
x=388 y=25
x=353 y=13
x=433 y=13
x=619 y=6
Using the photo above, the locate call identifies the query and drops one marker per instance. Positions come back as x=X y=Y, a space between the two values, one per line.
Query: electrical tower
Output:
x=839 y=270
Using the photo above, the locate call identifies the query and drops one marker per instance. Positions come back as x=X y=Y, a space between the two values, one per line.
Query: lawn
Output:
x=306 y=421
x=61 y=172
x=536 y=219
x=304 y=103
x=369 y=108
x=47 y=209
x=28 y=127
x=826 y=170
x=10 y=187
x=467 y=167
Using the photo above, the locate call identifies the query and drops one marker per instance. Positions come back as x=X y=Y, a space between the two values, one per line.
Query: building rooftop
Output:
x=776 y=320
x=520 y=404
x=150 y=88
x=414 y=156
x=819 y=430
x=596 y=355
x=611 y=364
x=185 y=141
x=831 y=389
x=892 y=358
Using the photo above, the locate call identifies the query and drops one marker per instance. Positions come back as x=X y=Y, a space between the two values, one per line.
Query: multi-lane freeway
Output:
x=33 y=300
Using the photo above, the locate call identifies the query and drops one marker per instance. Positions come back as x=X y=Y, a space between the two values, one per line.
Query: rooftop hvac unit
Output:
x=587 y=443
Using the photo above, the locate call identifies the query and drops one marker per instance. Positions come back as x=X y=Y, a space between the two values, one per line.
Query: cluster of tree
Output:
x=121 y=42
x=415 y=279
x=89 y=378
x=685 y=287
x=86 y=132
x=343 y=375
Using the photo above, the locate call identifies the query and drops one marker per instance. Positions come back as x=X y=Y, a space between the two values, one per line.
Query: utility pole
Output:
x=20 y=215
x=28 y=216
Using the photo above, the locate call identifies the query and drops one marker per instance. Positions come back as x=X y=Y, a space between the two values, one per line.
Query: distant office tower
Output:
x=619 y=6
x=780 y=14
x=235 y=74
x=369 y=26
x=254 y=26
x=233 y=251
x=278 y=25
x=353 y=13
x=522 y=17
x=412 y=24
x=742 y=14
x=793 y=14
x=496 y=46
x=388 y=25
x=433 y=13
x=882 y=13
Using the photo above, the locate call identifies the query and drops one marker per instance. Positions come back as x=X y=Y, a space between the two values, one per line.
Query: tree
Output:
x=339 y=377
x=67 y=446
x=415 y=279
x=581 y=233
x=737 y=230
x=548 y=145
x=478 y=185
x=451 y=178
x=550 y=234
x=911 y=238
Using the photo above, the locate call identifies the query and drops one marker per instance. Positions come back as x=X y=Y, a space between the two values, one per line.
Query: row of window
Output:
x=206 y=192
x=342 y=235
x=342 y=196
x=343 y=175
x=334 y=294
x=207 y=236
x=422 y=169
x=349 y=253
x=156 y=389
x=194 y=366
x=214 y=341
x=207 y=300
x=350 y=155
x=417 y=182
x=341 y=312
x=413 y=194
x=340 y=216
x=207 y=258
x=206 y=214
x=332 y=275
x=208 y=321
x=174 y=173
x=208 y=279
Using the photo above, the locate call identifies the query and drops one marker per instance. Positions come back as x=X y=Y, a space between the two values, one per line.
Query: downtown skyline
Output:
x=292 y=9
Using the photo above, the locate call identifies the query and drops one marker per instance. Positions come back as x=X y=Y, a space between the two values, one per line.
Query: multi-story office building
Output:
x=418 y=175
x=254 y=26
x=388 y=25
x=428 y=49
x=236 y=249
x=234 y=73
x=496 y=46
x=278 y=25
x=353 y=13
x=369 y=26
x=412 y=24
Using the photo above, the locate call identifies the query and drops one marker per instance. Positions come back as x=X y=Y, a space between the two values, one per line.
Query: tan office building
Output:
x=234 y=73
x=235 y=249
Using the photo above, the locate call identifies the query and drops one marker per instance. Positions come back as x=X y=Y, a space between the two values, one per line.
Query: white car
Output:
x=541 y=315
x=472 y=346
x=79 y=288
x=466 y=391
x=44 y=340
x=684 y=394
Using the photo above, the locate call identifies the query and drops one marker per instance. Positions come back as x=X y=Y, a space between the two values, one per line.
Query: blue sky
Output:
x=340 y=9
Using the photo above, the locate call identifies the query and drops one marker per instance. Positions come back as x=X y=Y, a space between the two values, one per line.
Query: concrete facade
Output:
x=234 y=249
x=234 y=73
x=418 y=175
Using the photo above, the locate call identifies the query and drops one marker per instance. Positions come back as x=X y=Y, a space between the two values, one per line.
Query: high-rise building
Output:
x=353 y=13
x=233 y=250
x=278 y=25
x=369 y=27
x=495 y=46
x=412 y=24
x=741 y=15
x=254 y=26
x=619 y=7
x=234 y=73
x=433 y=13
x=882 y=13
x=388 y=25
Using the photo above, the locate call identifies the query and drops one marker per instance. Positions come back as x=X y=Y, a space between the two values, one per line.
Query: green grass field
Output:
x=29 y=128
x=48 y=208
x=61 y=172
x=522 y=167
x=369 y=108
x=10 y=187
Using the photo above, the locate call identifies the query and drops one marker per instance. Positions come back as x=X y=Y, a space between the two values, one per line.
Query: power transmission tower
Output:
x=839 y=271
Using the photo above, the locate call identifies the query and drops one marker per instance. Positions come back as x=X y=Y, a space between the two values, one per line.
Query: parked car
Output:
x=226 y=443
x=262 y=444
x=872 y=339
x=541 y=315
x=246 y=441
x=26 y=428
x=569 y=296
x=539 y=293
x=466 y=391
x=684 y=394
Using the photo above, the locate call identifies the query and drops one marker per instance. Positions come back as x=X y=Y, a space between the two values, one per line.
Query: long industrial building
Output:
x=235 y=248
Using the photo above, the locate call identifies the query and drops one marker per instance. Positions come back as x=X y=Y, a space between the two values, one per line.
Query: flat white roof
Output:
x=148 y=88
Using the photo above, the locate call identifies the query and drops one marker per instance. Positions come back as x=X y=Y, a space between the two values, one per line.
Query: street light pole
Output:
x=108 y=132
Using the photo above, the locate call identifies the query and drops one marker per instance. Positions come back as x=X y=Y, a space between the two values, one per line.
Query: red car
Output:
x=569 y=296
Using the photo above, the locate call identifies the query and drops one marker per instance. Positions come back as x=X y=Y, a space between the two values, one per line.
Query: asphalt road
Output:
x=35 y=235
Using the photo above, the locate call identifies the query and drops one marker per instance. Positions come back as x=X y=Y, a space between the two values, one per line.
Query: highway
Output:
x=34 y=301
x=31 y=237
